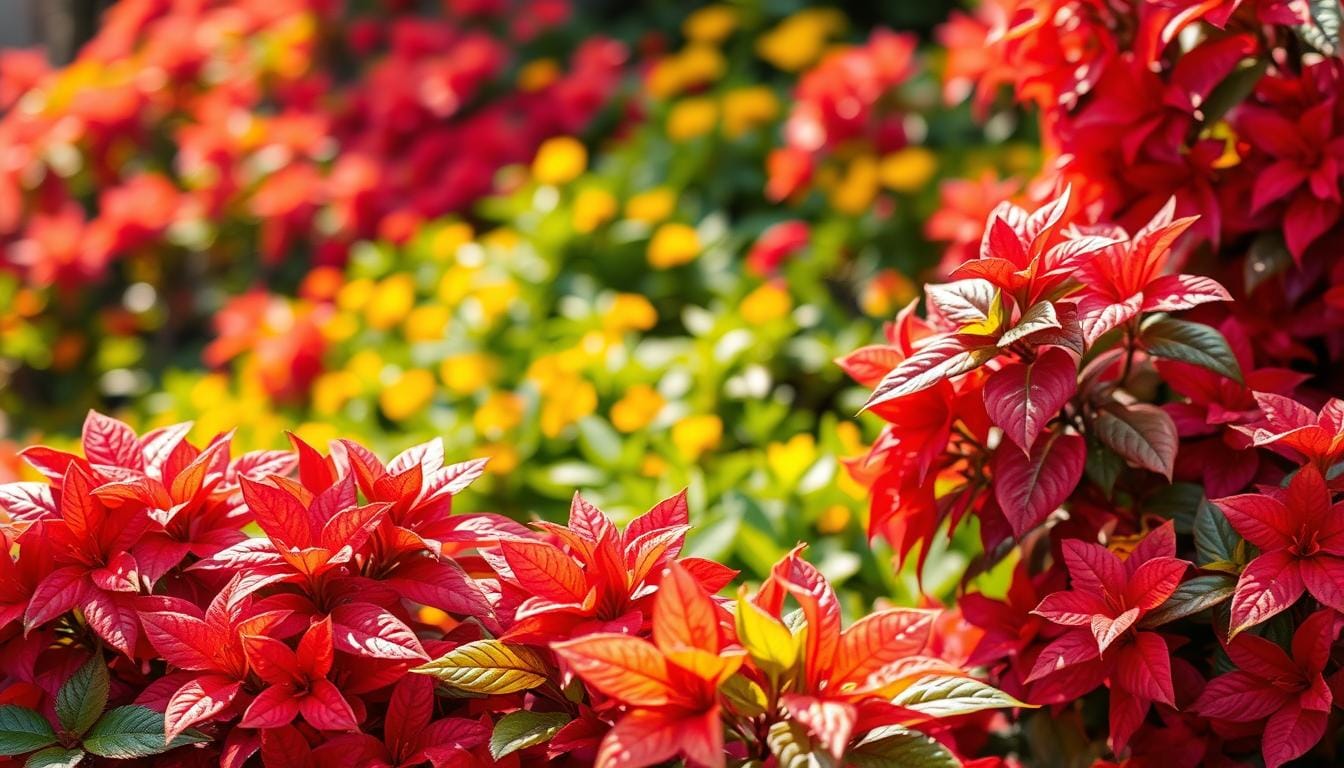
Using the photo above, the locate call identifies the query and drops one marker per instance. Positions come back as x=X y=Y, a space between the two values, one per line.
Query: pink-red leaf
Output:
x=1022 y=398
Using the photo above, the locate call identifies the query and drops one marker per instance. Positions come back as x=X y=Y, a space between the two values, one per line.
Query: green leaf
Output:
x=131 y=731
x=22 y=730
x=489 y=666
x=900 y=746
x=1193 y=343
x=1103 y=466
x=1191 y=597
x=745 y=696
x=83 y=697
x=523 y=729
x=1215 y=539
x=793 y=747
x=55 y=757
x=1144 y=436
x=1322 y=31
x=947 y=695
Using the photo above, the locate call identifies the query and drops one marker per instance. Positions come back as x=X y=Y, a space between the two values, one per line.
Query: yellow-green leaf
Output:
x=489 y=666
x=771 y=645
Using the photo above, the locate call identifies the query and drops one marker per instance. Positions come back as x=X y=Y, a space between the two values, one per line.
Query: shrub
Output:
x=368 y=624
x=1121 y=388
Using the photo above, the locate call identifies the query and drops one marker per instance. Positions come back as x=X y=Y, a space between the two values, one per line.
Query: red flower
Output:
x=1289 y=693
x=1108 y=600
x=1301 y=539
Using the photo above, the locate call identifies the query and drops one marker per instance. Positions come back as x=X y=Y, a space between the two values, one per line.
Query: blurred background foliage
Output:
x=611 y=246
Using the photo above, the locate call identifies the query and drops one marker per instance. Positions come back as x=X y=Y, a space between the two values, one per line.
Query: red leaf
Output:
x=197 y=702
x=629 y=669
x=831 y=722
x=112 y=615
x=671 y=512
x=316 y=651
x=108 y=441
x=1071 y=609
x=326 y=709
x=1107 y=630
x=367 y=630
x=441 y=585
x=184 y=641
x=820 y=607
x=1153 y=582
x=285 y=748
x=58 y=592
x=274 y=707
x=27 y=501
x=279 y=514
x=684 y=616
x=867 y=365
x=588 y=520
x=1021 y=399
x=876 y=641
x=641 y=738
x=1323 y=576
x=943 y=358
x=1269 y=585
x=1143 y=668
x=1093 y=568
x=1071 y=648
x=352 y=527
x=408 y=712
x=1171 y=293
x=1292 y=732
x=1239 y=697
x=1028 y=488
x=545 y=570
x=1262 y=520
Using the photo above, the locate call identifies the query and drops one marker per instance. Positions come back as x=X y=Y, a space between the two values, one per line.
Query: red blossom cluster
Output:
x=845 y=101
x=290 y=608
x=312 y=126
x=1167 y=482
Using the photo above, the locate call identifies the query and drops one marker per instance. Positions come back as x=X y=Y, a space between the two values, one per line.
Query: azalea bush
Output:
x=1126 y=384
x=368 y=624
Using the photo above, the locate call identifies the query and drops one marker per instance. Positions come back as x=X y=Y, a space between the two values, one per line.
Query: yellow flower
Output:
x=701 y=64
x=340 y=327
x=466 y=373
x=653 y=466
x=673 y=245
x=367 y=366
x=834 y=519
x=745 y=109
x=887 y=292
x=503 y=459
x=501 y=412
x=637 y=409
x=566 y=400
x=501 y=238
x=856 y=189
x=800 y=40
x=538 y=74
x=694 y=435
x=851 y=439
x=691 y=118
x=448 y=238
x=209 y=391
x=456 y=284
x=495 y=297
x=1223 y=131
x=408 y=395
x=354 y=295
x=593 y=207
x=559 y=160
x=426 y=323
x=630 y=312
x=711 y=24
x=332 y=390
x=907 y=170
x=392 y=300
x=651 y=206
x=767 y=303
x=789 y=461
